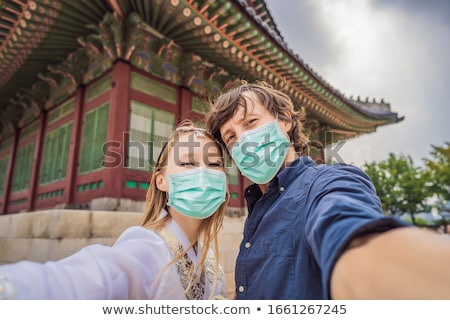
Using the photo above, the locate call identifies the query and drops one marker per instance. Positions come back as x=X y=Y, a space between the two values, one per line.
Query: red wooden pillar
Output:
x=10 y=172
x=118 y=124
x=35 y=169
x=184 y=104
x=75 y=140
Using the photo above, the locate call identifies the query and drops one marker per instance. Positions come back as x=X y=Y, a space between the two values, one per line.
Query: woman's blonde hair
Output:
x=156 y=201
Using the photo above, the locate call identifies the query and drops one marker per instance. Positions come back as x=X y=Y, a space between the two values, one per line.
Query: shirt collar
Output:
x=282 y=180
x=181 y=236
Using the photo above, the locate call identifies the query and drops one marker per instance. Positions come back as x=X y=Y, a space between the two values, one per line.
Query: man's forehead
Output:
x=242 y=113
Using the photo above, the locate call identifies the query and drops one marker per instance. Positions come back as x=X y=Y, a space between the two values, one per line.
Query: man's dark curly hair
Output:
x=275 y=101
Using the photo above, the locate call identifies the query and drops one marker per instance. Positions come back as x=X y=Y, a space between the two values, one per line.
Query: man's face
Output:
x=242 y=121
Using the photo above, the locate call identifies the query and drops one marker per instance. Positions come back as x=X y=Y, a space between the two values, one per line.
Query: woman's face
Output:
x=191 y=151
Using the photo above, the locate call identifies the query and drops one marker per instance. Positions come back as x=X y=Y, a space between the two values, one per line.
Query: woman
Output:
x=168 y=257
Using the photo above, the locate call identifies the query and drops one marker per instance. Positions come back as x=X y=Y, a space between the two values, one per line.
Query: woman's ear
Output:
x=161 y=182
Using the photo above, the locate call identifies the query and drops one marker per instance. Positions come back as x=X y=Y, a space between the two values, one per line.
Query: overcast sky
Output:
x=398 y=50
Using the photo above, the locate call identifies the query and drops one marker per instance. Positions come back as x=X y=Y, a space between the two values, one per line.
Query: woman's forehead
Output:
x=191 y=143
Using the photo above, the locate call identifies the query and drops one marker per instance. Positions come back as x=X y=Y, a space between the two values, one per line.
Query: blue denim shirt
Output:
x=297 y=229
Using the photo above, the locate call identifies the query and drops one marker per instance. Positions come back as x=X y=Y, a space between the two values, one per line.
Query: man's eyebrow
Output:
x=245 y=115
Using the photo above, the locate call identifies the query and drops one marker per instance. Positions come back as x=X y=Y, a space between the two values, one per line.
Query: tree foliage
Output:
x=401 y=186
x=405 y=188
x=439 y=168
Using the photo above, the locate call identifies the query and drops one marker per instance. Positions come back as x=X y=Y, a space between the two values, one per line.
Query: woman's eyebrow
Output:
x=226 y=132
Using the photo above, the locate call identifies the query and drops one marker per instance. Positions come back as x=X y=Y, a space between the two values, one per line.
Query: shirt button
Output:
x=281 y=189
x=248 y=245
x=241 y=288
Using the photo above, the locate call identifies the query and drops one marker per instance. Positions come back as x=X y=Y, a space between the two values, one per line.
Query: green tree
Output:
x=402 y=187
x=439 y=170
x=439 y=167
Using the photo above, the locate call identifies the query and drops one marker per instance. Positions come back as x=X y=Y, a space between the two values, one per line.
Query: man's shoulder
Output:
x=323 y=174
x=339 y=175
x=338 y=169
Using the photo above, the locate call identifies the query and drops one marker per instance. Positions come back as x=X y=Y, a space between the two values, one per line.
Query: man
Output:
x=316 y=231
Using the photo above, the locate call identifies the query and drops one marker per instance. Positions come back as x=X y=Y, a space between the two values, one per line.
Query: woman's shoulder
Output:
x=139 y=233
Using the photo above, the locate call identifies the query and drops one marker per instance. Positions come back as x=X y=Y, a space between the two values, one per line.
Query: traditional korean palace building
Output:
x=89 y=89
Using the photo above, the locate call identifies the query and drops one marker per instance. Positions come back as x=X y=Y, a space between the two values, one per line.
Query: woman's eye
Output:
x=186 y=164
x=229 y=139
x=216 y=164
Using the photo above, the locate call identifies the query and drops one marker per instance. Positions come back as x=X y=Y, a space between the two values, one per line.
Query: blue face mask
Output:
x=197 y=193
x=259 y=153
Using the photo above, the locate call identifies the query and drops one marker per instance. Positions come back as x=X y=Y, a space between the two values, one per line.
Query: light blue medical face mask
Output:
x=197 y=193
x=259 y=153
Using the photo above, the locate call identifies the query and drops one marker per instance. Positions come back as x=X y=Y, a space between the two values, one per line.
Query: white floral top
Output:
x=130 y=269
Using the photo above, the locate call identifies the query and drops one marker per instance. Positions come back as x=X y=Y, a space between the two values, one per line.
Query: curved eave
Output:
x=239 y=36
x=380 y=111
x=314 y=85
x=231 y=36
x=43 y=34
x=262 y=14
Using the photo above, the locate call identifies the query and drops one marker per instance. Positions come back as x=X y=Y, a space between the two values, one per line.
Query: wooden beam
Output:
x=37 y=157
x=74 y=148
x=116 y=7
x=10 y=172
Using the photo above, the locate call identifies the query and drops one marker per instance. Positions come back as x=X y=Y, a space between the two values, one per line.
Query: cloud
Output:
x=437 y=10
x=302 y=28
x=381 y=49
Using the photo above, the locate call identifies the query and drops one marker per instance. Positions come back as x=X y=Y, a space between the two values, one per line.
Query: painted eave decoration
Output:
x=49 y=47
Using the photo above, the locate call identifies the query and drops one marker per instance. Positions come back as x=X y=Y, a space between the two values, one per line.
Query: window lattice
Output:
x=149 y=129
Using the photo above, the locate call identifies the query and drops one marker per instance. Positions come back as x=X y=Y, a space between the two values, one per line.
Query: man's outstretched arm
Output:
x=404 y=263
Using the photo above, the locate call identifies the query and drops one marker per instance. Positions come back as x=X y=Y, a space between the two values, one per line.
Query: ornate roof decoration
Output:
x=262 y=15
x=202 y=44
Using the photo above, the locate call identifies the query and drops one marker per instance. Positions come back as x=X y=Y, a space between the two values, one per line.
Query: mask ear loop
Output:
x=167 y=199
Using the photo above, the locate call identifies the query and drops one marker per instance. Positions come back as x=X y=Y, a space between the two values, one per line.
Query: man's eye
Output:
x=250 y=121
x=186 y=164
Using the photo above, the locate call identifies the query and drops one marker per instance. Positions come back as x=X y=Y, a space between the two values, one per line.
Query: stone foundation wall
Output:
x=51 y=235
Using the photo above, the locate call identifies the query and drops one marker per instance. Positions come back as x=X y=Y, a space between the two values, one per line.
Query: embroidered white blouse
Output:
x=126 y=270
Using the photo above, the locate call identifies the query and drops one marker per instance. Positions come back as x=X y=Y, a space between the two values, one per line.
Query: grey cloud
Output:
x=303 y=31
x=435 y=9
x=416 y=70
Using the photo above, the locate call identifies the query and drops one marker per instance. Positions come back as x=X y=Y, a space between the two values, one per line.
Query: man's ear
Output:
x=286 y=125
x=161 y=182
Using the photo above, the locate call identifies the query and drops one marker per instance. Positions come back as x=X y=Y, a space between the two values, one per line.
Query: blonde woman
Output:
x=167 y=257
